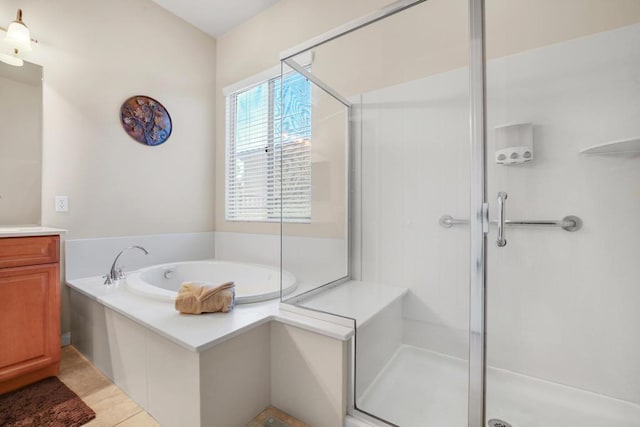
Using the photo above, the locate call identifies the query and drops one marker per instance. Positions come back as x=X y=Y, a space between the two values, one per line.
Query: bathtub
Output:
x=254 y=282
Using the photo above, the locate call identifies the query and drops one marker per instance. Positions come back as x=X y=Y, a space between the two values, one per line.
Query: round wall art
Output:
x=145 y=120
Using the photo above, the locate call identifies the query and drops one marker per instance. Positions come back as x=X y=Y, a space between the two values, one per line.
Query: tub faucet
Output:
x=118 y=273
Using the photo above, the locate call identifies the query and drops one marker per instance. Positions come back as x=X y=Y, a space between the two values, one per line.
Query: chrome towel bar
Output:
x=568 y=223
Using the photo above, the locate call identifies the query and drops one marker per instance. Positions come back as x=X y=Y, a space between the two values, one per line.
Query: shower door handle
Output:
x=502 y=197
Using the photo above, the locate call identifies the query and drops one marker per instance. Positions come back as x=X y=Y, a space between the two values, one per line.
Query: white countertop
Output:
x=29 y=230
x=198 y=332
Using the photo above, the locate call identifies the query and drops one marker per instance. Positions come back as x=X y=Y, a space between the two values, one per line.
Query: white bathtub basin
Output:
x=254 y=282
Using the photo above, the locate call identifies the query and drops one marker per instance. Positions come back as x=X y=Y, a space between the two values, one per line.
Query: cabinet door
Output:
x=29 y=319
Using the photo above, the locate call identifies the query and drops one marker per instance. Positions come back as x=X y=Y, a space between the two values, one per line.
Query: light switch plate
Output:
x=62 y=203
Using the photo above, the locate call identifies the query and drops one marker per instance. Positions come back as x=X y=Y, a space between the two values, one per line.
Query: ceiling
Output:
x=215 y=17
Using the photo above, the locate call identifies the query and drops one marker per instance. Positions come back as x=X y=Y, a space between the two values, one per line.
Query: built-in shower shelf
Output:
x=624 y=147
x=357 y=300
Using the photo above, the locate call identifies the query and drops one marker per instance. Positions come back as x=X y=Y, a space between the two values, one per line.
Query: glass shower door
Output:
x=412 y=160
x=377 y=248
x=563 y=185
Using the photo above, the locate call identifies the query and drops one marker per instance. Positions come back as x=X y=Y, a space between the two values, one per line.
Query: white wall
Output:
x=95 y=55
x=562 y=306
x=314 y=261
x=415 y=168
x=563 y=303
x=20 y=146
x=93 y=257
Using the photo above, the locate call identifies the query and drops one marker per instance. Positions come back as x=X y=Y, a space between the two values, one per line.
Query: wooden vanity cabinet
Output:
x=29 y=310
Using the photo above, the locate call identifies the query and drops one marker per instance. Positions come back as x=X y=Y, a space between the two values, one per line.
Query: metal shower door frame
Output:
x=478 y=218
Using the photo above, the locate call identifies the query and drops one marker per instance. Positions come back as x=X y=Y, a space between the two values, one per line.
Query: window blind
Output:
x=268 y=151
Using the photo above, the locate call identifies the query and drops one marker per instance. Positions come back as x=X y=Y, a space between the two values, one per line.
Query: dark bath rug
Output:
x=46 y=403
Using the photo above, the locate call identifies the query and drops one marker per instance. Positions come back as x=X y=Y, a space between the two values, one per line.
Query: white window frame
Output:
x=272 y=212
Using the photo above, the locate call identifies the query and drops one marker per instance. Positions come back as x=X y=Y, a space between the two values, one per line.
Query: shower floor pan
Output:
x=419 y=388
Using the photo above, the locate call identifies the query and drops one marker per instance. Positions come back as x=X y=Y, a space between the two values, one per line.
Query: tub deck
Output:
x=198 y=332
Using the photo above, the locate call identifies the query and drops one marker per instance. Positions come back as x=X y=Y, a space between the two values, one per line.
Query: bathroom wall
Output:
x=95 y=55
x=428 y=39
x=313 y=261
x=559 y=303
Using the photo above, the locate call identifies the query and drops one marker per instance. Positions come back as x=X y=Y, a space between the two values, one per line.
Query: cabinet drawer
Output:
x=22 y=251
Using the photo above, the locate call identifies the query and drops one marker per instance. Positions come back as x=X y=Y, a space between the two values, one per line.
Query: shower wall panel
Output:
x=560 y=303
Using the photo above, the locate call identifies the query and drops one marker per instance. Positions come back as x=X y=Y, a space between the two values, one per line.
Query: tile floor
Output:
x=111 y=405
x=263 y=419
x=114 y=408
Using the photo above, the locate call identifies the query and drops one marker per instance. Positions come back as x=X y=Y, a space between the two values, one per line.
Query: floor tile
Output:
x=141 y=419
x=111 y=405
x=79 y=375
x=288 y=420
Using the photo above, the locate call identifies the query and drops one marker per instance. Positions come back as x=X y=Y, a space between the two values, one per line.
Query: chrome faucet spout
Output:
x=115 y=273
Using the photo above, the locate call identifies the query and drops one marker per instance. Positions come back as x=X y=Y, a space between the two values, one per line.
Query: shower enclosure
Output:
x=472 y=172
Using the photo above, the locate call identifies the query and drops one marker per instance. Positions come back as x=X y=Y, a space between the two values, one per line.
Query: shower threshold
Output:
x=419 y=388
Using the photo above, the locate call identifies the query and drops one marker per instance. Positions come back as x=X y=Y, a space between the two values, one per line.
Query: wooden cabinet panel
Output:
x=29 y=324
x=21 y=251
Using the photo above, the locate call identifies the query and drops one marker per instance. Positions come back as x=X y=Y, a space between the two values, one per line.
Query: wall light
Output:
x=17 y=40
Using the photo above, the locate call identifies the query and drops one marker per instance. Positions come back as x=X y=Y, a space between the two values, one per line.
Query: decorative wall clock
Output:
x=145 y=120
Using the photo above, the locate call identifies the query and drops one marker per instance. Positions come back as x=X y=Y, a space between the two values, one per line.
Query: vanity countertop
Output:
x=29 y=230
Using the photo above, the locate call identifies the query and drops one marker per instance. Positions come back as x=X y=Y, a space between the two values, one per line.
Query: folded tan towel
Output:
x=196 y=298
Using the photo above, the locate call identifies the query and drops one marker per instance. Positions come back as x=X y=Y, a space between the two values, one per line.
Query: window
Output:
x=268 y=148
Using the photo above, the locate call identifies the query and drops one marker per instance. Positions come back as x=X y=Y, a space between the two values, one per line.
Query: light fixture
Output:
x=17 y=40
x=11 y=59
